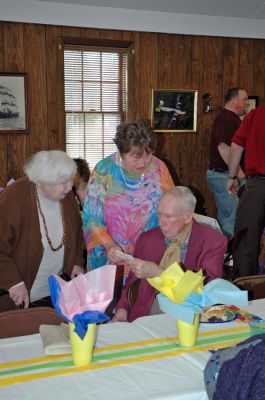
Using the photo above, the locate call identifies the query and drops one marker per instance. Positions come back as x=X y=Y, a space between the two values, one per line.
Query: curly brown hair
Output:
x=135 y=134
x=82 y=168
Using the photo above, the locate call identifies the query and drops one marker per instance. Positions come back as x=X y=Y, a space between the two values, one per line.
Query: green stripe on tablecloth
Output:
x=127 y=353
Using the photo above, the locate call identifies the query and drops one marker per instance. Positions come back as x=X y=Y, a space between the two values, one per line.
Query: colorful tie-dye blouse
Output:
x=120 y=206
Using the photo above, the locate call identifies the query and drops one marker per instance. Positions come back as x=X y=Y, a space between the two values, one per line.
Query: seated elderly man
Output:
x=178 y=238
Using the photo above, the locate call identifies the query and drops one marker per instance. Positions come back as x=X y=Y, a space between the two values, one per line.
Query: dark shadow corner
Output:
x=199 y=209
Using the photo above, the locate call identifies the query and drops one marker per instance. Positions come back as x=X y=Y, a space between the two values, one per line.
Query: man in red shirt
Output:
x=250 y=137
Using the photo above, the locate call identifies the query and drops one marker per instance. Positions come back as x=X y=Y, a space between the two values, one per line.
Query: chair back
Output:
x=26 y=321
x=133 y=293
x=203 y=219
x=117 y=290
x=255 y=285
x=231 y=271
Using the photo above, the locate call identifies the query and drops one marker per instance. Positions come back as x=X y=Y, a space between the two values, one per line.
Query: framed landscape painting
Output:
x=174 y=110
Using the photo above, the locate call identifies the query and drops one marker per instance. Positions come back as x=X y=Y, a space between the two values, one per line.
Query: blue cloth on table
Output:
x=237 y=373
x=218 y=291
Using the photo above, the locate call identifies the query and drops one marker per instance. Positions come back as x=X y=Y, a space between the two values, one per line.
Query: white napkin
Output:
x=55 y=339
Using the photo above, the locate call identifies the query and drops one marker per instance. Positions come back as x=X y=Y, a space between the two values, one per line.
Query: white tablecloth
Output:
x=179 y=377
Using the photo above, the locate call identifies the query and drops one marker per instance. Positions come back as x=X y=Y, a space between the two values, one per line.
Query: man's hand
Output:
x=240 y=174
x=144 y=269
x=233 y=186
x=77 y=270
x=19 y=295
x=120 y=316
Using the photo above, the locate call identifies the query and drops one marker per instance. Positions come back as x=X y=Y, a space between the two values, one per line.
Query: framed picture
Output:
x=253 y=102
x=174 y=110
x=13 y=103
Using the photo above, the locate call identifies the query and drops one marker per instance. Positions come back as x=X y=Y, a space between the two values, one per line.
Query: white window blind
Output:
x=95 y=82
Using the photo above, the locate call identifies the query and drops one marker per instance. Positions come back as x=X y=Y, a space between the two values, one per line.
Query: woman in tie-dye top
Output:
x=122 y=195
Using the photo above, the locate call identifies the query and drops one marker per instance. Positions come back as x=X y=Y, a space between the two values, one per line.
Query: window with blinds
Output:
x=95 y=83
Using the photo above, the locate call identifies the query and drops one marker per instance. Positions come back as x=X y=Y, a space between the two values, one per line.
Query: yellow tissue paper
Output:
x=177 y=284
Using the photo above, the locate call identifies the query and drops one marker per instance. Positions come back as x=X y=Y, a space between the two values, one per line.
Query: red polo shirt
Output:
x=251 y=136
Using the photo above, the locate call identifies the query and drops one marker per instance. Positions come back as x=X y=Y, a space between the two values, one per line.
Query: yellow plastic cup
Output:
x=187 y=333
x=82 y=350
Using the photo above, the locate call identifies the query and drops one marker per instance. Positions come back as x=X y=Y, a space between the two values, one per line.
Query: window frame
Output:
x=124 y=49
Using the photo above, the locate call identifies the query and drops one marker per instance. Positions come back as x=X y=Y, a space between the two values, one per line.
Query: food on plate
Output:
x=218 y=313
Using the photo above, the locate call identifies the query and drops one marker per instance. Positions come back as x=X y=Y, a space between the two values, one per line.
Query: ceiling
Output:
x=251 y=9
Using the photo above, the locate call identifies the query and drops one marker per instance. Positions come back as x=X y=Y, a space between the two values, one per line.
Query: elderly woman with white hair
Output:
x=41 y=230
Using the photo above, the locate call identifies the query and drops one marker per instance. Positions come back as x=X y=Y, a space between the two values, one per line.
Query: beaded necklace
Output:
x=129 y=185
x=45 y=225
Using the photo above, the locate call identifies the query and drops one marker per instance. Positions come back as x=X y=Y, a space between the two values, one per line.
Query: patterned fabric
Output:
x=237 y=373
x=120 y=206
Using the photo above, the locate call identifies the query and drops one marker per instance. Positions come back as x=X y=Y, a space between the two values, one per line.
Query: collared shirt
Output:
x=251 y=136
x=183 y=249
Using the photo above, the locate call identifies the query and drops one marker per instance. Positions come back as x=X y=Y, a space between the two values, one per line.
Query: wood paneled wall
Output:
x=162 y=61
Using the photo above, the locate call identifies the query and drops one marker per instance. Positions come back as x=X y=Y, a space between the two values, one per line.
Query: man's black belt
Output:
x=256 y=176
x=220 y=170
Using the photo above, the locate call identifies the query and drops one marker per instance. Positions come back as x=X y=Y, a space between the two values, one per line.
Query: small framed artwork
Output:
x=174 y=110
x=13 y=103
x=253 y=102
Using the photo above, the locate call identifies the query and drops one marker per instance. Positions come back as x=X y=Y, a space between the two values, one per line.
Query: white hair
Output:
x=183 y=195
x=50 y=167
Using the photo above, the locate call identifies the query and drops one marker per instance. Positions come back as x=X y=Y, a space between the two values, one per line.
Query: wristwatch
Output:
x=232 y=177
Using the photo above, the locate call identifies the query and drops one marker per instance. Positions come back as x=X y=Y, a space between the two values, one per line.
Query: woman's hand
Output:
x=19 y=294
x=77 y=270
x=120 y=316
x=113 y=253
x=144 y=269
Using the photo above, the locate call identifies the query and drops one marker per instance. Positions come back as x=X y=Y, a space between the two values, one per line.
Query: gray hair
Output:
x=184 y=196
x=50 y=167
